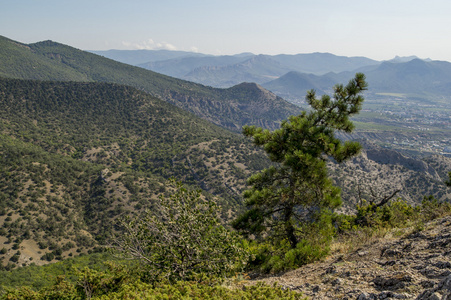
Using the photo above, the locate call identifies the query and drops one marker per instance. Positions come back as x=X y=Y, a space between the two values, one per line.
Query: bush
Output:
x=48 y=256
x=274 y=258
x=273 y=255
x=399 y=213
x=185 y=240
x=373 y=221
x=431 y=208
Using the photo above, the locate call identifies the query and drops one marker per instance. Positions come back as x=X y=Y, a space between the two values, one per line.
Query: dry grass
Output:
x=355 y=239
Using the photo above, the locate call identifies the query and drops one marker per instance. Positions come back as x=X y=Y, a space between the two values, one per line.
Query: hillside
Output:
x=21 y=61
x=115 y=125
x=404 y=264
x=378 y=172
x=258 y=69
x=293 y=84
x=74 y=156
x=53 y=61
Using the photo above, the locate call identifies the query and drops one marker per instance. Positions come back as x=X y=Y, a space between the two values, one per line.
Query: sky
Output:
x=379 y=29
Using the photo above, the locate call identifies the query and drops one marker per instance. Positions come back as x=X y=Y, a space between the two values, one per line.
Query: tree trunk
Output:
x=289 y=228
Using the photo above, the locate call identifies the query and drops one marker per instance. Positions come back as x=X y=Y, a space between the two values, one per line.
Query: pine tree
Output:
x=289 y=199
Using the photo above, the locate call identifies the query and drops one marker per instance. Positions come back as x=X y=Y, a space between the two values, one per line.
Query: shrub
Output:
x=274 y=258
x=431 y=208
x=185 y=240
x=118 y=283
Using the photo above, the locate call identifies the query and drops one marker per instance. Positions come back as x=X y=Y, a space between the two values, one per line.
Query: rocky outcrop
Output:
x=386 y=156
x=415 y=266
x=441 y=292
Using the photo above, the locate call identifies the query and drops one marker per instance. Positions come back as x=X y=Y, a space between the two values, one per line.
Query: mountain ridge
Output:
x=414 y=77
x=54 y=61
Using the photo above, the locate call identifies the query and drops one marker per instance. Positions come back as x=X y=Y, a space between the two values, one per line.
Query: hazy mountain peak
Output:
x=401 y=59
x=260 y=58
x=244 y=54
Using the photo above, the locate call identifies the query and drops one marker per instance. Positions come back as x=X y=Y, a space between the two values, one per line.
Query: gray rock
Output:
x=337 y=281
x=366 y=296
x=394 y=282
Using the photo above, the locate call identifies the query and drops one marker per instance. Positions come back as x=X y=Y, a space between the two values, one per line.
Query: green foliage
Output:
x=448 y=182
x=82 y=284
x=372 y=222
x=91 y=283
x=182 y=240
x=61 y=290
x=274 y=258
x=395 y=214
x=193 y=290
x=431 y=208
x=119 y=283
x=39 y=277
x=290 y=202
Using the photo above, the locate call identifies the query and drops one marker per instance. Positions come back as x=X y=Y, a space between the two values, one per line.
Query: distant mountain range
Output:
x=413 y=77
x=226 y=70
x=290 y=76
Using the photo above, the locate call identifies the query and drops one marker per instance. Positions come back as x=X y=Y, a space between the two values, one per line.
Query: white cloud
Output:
x=194 y=49
x=149 y=45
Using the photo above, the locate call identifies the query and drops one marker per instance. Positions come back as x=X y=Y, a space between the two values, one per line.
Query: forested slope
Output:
x=74 y=156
